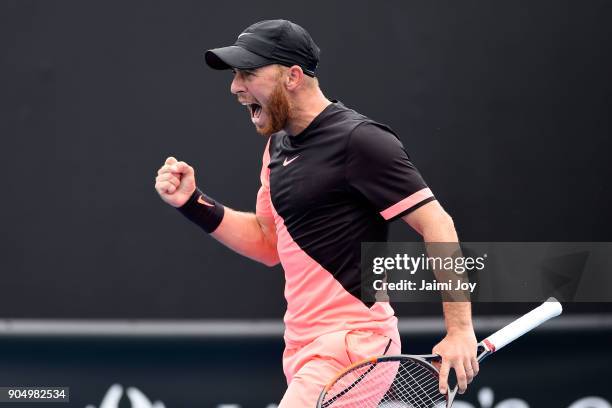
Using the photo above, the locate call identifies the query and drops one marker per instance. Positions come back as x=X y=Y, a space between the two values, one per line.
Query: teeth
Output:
x=254 y=108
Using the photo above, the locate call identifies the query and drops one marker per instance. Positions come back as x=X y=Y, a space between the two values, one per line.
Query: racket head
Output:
x=401 y=381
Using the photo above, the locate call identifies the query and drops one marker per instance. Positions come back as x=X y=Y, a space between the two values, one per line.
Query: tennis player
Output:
x=331 y=178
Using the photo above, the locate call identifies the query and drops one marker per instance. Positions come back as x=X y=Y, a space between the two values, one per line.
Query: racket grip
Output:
x=522 y=325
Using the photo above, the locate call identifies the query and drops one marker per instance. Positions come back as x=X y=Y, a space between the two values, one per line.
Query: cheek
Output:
x=263 y=99
x=262 y=90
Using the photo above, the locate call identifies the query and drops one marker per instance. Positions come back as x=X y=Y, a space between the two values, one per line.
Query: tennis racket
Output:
x=406 y=381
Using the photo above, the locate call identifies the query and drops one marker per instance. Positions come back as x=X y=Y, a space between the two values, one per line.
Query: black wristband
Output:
x=203 y=211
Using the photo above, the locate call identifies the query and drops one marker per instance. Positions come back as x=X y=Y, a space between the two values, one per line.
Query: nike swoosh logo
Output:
x=288 y=162
x=201 y=201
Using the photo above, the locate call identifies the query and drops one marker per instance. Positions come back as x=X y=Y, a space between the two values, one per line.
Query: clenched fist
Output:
x=175 y=182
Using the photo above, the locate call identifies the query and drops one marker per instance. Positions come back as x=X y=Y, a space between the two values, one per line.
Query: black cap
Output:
x=268 y=42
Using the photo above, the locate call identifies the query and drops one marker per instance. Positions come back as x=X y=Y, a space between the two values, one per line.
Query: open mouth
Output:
x=254 y=109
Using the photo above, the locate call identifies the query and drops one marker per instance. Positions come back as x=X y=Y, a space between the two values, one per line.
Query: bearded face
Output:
x=265 y=97
x=277 y=110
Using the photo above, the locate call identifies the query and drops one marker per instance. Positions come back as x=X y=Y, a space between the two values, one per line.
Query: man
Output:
x=331 y=179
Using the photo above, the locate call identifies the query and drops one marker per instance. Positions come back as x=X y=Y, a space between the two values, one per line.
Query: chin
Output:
x=263 y=131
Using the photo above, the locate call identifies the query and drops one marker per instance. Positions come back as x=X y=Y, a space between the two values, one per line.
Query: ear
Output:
x=295 y=77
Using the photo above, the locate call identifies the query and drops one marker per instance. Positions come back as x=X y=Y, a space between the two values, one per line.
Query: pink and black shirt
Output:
x=328 y=189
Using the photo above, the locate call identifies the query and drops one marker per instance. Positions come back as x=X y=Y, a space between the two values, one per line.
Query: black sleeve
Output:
x=379 y=168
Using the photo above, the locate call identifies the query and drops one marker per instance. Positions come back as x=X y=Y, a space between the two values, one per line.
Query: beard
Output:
x=277 y=110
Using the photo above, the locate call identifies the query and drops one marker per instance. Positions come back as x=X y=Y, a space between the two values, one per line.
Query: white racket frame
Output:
x=546 y=311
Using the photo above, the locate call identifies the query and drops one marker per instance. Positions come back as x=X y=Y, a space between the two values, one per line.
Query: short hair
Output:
x=309 y=82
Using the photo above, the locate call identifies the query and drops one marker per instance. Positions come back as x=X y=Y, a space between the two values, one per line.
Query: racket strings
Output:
x=386 y=384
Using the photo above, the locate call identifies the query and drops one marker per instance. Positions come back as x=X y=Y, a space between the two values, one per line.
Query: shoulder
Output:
x=372 y=139
x=362 y=130
x=275 y=140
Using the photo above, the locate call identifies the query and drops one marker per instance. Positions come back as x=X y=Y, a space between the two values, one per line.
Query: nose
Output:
x=237 y=84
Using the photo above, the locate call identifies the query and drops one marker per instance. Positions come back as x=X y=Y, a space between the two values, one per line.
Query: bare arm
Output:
x=245 y=233
x=458 y=348
x=249 y=235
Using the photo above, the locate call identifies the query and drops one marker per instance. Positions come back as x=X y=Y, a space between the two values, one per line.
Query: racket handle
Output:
x=522 y=325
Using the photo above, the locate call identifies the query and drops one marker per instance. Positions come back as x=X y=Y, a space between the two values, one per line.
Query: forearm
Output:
x=457 y=315
x=245 y=234
x=242 y=232
x=458 y=348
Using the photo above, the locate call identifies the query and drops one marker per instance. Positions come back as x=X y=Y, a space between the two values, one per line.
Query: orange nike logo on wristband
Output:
x=287 y=162
x=201 y=201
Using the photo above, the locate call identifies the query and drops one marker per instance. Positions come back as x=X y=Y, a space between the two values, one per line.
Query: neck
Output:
x=304 y=109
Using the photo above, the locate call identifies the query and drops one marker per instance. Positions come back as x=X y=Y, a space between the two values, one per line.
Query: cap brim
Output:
x=234 y=57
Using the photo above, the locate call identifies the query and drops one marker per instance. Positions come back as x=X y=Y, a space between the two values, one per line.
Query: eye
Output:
x=245 y=74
